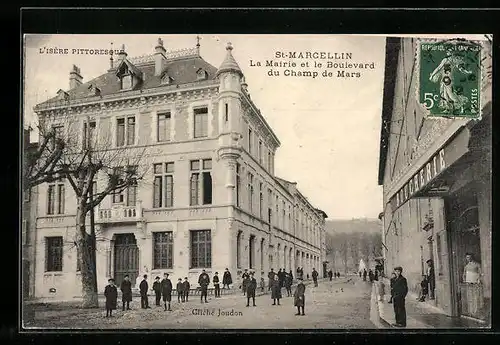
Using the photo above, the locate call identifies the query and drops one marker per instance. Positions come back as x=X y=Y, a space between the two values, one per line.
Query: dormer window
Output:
x=201 y=74
x=94 y=90
x=126 y=82
x=62 y=95
x=166 y=79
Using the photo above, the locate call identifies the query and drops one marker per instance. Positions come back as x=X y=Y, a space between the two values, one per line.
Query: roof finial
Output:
x=198 y=38
x=160 y=42
x=123 y=48
x=111 y=56
x=229 y=46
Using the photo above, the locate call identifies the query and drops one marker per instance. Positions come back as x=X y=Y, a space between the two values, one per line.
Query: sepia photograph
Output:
x=256 y=181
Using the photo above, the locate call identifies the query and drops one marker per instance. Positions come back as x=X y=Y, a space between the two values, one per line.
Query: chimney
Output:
x=75 y=78
x=122 y=55
x=159 y=57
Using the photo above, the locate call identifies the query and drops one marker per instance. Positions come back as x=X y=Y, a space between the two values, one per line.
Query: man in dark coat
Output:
x=364 y=275
x=226 y=279
x=280 y=277
x=111 y=294
x=299 y=297
x=143 y=288
x=431 y=279
x=275 y=290
x=204 y=280
x=270 y=275
x=370 y=275
x=186 y=288
x=315 y=277
x=244 y=281
x=400 y=289
x=216 y=282
x=288 y=284
x=180 y=291
x=291 y=275
x=330 y=274
x=251 y=287
x=166 y=291
x=126 y=289
x=157 y=290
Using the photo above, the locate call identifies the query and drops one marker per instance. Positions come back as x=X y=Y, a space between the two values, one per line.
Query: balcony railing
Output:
x=119 y=213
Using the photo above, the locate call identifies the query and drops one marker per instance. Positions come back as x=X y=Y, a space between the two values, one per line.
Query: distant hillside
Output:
x=366 y=225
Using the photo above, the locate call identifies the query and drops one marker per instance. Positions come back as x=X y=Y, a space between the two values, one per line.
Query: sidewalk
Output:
x=421 y=315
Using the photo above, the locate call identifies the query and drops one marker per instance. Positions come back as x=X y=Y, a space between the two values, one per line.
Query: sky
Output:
x=329 y=127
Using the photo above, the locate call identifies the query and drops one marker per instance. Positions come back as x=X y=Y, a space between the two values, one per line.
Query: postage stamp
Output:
x=450 y=77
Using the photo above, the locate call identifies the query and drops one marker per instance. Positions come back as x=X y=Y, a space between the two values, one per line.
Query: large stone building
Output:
x=436 y=177
x=210 y=199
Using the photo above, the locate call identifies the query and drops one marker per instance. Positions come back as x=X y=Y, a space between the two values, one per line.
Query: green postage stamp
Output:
x=450 y=78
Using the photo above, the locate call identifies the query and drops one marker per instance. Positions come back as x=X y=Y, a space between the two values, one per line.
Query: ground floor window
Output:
x=163 y=244
x=201 y=249
x=54 y=254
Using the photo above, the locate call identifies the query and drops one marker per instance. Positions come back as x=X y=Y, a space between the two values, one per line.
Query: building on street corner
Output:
x=210 y=198
x=436 y=177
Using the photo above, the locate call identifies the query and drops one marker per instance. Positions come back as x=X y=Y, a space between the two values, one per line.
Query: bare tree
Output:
x=95 y=168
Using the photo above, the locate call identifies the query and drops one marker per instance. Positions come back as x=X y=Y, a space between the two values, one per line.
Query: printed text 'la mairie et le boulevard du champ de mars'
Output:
x=314 y=64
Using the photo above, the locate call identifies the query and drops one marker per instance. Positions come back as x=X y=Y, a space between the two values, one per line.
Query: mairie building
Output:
x=210 y=198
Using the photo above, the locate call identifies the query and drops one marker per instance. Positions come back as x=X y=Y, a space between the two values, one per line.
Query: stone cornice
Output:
x=133 y=98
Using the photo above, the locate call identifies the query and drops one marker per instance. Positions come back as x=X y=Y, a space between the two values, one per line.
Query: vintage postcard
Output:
x=284 y=182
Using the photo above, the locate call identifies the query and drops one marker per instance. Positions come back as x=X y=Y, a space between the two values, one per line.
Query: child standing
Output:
x=186 y=288
x=262 y=284
x=111 y=294
x=424 y=288
x=180 y=290
x=157 y=290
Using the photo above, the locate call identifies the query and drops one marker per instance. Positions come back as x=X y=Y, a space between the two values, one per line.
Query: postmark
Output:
x=449 y=78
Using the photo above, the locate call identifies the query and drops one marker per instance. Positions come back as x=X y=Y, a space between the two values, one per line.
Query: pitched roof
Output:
x=229 y=64
x=182 y=71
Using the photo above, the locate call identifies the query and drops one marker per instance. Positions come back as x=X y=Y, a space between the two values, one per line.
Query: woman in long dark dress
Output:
x=111 y=294
x=275 y=290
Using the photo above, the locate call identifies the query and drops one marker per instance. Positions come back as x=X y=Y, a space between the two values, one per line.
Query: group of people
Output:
x=332 y=274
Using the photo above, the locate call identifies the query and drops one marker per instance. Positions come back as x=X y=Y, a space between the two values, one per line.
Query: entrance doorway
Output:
x=465 y=239
x=126 y=258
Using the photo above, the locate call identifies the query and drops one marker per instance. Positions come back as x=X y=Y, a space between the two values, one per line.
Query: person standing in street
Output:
x=226 y=279
x=299 y=297
x=364 y=275
x=157 y=290
x=186 y=288
x=126 y=289
x=288 y=284
x=203 y=281
x=276 y=290
x=111 y=294
x=291 y=275
x=180 y=290
x=143 y=288
x=244 y=281
x=251 y=287
x=393 y=277
x=262 y=284
x=315 y=277
x=330 y=274
x=166 y=291
x=216 y=284
x=270 y=275
x=431 y=279
x=400 y=290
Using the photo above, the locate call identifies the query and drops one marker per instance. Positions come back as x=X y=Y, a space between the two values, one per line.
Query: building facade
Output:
x=436 y=177
x=28 y=229
x=209 y=199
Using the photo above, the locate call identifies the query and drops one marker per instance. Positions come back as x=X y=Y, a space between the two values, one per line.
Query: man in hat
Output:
x=126 y=288
x=180 y=291
x=204 y=280
x=244 y=277
x=270 y=275
x=299 y=296
x=157 y=290
x=251 y=287
x=111 y=294
x=315 y=277
x=431 y=279
x=215 y=279
x=143 y=288
x=166 y=291
x=186 y=289
x=400 y=289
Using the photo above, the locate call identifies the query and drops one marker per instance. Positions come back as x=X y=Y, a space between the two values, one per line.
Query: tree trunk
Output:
x=86 y=244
